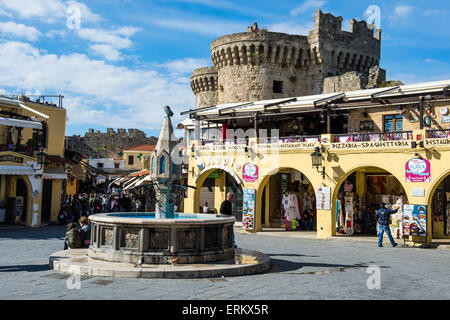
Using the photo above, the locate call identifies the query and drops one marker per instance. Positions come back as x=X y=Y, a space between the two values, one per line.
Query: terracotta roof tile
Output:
x=144 y=147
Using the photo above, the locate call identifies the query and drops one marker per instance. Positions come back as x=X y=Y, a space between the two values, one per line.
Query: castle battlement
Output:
x=259 y=64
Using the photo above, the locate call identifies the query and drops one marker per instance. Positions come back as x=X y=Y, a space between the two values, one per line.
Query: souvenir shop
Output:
x=359 y=199
x=440 y=208
x=292 y=204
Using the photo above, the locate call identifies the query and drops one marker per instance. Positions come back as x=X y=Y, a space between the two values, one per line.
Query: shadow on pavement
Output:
x=40 y=233
x=26 y=268
x=279 y=265
x=289 y=255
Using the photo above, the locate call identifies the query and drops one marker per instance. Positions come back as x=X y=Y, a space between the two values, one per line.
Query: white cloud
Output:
x=307 y=5
x=411 y=78
x=434 y=12
x=187 y=65
x=19 y=30
x=403 y=11
x=291 y=28
x=118 y=39
x=137 y=95
x=435 y=62
x=46 y=10
x=54 y=33
x=106 y=51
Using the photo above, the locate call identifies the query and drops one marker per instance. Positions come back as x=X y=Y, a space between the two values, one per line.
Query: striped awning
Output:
x=57 y=173
x=20 y=123
x=16 y=170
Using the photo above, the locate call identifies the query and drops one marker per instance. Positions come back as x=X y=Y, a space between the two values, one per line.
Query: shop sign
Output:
x=418 y=192
x=233 y=147
x=214 y=175
x=445 y=119
x=323 y=198
x=418 y=170
x=372 y=145
x=287 y=146
x=248 y=209
x=250 y=172
x=415 y=220
x=11 y=159
x=436 y=142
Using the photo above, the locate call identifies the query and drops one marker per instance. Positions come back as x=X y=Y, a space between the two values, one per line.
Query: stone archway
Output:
x=439 y=226
x=263 y=194
x=227 y=180
x=364 y=181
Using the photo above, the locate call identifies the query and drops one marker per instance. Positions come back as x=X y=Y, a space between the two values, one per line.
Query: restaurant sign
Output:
x=250 y=172
x=372 y=145
x=418 y=170
x=11 y=159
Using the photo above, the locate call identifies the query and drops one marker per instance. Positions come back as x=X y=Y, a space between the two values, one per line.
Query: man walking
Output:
x=383 y=215
x=226 y=209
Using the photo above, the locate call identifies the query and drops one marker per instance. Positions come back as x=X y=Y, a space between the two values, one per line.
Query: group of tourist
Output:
x=76 y=210
x=84 y=205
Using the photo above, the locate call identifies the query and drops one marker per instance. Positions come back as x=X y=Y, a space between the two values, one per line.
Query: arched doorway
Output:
x=440 y=209
x=22 y=199
x=213 y=190
x=288 y=201
x=358 y=197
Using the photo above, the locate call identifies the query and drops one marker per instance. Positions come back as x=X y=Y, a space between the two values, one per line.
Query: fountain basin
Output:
x=189 y=238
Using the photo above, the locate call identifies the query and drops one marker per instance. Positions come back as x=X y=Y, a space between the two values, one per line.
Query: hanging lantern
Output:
x=316 y=158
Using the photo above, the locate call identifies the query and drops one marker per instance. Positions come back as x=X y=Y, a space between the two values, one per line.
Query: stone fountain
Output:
x=122 y=241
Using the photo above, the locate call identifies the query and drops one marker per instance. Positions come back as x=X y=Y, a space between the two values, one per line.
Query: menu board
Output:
x=248 y=209
x=415 y=220
x=323 y=198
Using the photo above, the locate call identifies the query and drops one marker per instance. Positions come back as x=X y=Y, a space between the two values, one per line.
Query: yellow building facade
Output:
x=32 y=165
x=381 y=138
x=138 y=158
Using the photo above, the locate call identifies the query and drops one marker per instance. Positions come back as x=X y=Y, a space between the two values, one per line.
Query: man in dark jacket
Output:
x=383 y=215
x=226 y=209
x=226 y=206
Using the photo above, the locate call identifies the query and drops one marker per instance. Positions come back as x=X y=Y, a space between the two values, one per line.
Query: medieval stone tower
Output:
x=261 y=65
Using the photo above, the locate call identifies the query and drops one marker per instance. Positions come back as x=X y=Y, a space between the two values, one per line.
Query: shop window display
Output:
x=356 y=205
x=440 y=207
x=292 y=201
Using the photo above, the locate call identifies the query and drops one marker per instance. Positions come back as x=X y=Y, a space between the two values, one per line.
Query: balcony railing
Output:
x=367 y=137
x=25 y=150
x=439 y=134
x=290 y=139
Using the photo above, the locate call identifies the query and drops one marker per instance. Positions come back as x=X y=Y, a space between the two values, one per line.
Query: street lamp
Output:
x=316 y=158
x=42 y=159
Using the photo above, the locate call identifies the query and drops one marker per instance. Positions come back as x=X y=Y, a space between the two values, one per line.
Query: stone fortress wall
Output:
x=261 y=65
x=96 y=144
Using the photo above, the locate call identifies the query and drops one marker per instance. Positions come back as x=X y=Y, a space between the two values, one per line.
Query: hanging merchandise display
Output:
x=359 y=199
x=448 y=214
x=349 y=215
x=290 y=203
x=296 y=198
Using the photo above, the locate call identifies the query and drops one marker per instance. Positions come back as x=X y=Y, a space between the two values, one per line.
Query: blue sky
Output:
x=129 y=58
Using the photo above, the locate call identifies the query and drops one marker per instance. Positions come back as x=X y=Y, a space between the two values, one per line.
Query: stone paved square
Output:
x=301 y=269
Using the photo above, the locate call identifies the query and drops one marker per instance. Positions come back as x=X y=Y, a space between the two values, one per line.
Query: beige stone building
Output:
x=261 y=65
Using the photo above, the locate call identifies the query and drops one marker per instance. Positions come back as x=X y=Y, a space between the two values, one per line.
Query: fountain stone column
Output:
x=165 y=172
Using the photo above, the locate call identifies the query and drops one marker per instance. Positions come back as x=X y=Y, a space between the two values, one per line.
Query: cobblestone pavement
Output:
x=301 y=269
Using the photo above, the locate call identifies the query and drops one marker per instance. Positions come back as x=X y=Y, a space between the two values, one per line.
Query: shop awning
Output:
x=143 y=181
x=57 y=173
x=117 y=181
x=77 y=172
x=20 y=123
x=130 y=183
x=16 y=170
